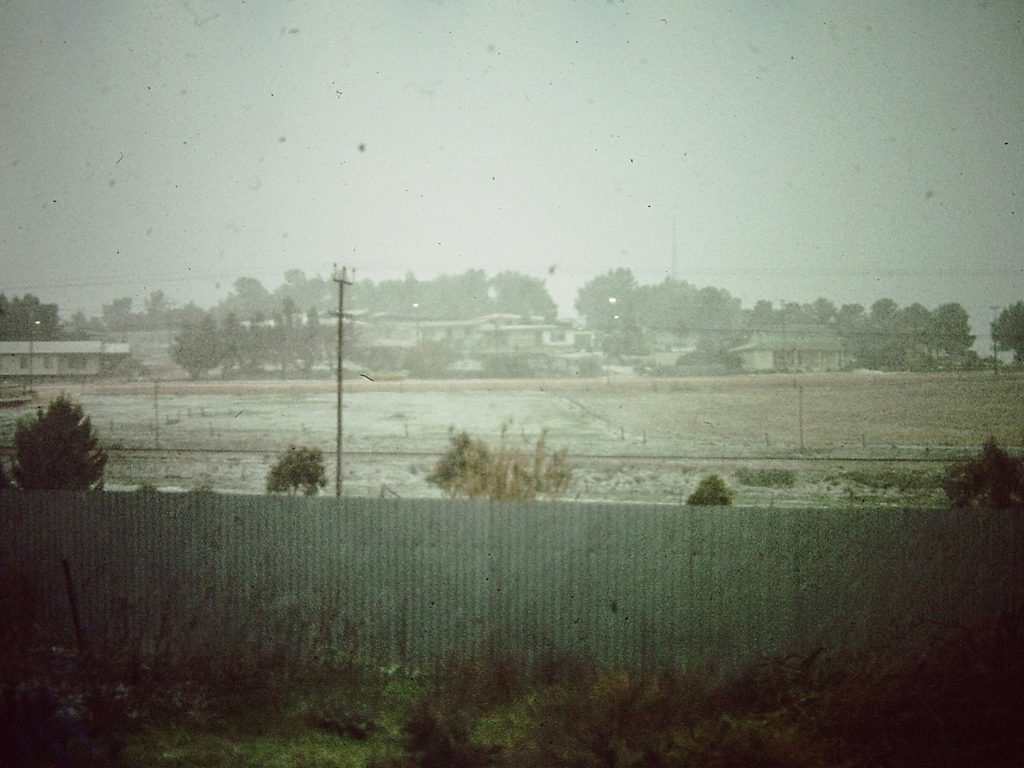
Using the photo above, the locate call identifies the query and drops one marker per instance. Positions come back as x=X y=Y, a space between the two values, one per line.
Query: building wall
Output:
x=757 y=360
x=44 y=365
x=424 y=580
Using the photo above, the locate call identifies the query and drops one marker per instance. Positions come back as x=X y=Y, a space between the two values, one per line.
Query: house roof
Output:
x=783 y=341
x=64 y=348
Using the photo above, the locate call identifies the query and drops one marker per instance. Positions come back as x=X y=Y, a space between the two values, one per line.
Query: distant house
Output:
x=60 y=359
x=490 y=342
x=791 y=351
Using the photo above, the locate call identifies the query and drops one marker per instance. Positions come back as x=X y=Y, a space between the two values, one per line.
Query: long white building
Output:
x=64 y=359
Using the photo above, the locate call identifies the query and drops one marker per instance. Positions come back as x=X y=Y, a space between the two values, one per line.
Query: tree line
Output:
x=253 y=327
x=884 y=336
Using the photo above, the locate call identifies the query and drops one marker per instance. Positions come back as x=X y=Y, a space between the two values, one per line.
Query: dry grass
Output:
x=838 y=409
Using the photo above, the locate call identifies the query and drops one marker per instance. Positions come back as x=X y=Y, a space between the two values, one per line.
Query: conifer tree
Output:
x=58 y=450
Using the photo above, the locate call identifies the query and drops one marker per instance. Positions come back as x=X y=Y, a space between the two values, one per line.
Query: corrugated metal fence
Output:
x=424 y=580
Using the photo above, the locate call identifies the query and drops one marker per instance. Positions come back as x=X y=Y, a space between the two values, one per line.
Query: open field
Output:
x=867 y=438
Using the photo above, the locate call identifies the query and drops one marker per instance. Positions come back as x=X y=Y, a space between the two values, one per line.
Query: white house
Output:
x=59 y=359
x=791 y=351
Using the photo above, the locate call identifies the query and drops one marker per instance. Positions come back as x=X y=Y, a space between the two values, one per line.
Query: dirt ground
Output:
x=861 y=438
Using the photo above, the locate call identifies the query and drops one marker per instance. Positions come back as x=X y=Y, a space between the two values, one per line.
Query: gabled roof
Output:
x=782 y=341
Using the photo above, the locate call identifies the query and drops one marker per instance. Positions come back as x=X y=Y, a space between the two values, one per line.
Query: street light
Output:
x=416 y=306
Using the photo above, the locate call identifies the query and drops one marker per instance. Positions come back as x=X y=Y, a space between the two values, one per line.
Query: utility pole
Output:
x=31 y=355
x=800 y=396
x=156 y=414
x=342 y=281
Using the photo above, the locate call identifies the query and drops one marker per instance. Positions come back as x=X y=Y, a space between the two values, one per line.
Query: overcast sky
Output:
x=798 y=149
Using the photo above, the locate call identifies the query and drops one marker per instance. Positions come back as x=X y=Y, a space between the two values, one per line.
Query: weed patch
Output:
x=766 y=478
x=948 y=695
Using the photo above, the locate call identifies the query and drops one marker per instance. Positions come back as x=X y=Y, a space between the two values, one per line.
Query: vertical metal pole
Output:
x=32 y=354
x=341 y=344
x=342 y=281
x=801 y=399
x=156 y=414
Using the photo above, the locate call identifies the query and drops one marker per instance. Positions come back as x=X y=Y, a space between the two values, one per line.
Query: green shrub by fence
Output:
x=421 y=581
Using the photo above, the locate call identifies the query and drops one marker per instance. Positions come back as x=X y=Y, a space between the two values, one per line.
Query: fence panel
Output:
x=421 y=581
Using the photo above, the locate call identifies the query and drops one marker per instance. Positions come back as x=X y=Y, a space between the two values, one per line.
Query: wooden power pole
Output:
x=342 y=281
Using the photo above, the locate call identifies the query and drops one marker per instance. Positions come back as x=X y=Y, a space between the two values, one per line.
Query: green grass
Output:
x=766 y=478
x=183 y=746
x=902 y=480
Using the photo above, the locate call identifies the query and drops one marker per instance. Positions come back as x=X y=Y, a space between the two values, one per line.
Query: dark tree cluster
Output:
x=120 y=316
x=287 y=341
x=890 y=337
x=631 y=316
x=457 y=297
x=445 y=297
x=1008 y=330
x=25 y=317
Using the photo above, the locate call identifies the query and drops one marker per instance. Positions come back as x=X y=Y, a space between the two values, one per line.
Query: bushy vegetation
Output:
x=58 y=450
x=511 y=472
x=711 y=492
x=949 y=697
x=766 y=478
x=902 y=480
x=993 y=479
x=298 y=468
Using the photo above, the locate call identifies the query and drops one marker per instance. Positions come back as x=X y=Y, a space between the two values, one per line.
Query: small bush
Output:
x=298 y=468
x=711 y=492
x=766 y=478
x=994 y=479
x=471 y=470
x=438 y=734
x=611 y=718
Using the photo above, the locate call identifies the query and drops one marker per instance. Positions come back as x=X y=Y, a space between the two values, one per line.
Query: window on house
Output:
x=24 y=362
x=76 y=362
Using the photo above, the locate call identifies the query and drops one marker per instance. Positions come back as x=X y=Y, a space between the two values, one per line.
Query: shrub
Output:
x=766 y=478
x=471 y=470
x=994 y=479
x=58 y=450
x=298 y=468
x=612 y=718
x=438 y=734
x=903 y=480
x=711 y=492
